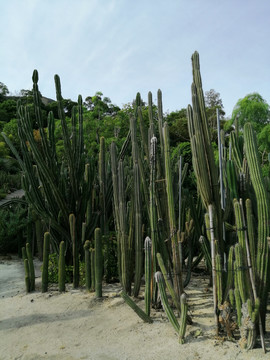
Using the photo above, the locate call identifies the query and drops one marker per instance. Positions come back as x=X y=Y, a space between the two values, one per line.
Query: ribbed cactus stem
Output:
x=87 y=265
x=164 y=299
x=31 y=267
x=219 y=279
x=229 y=283
x=238 y=306
x=183 y=319
x=252 y=155
x=136 y=308
x=76 y=273
x=153 y=210
x=240 y=272
x=92 y=269
x=46 y=251
x=168 y=282
x=251 y=234
x=148 y=275
x=177 y=268
x=27 y=277
x=62 y=268
x=98 y=263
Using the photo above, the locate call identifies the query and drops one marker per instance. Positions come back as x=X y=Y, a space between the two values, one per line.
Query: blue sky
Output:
x=121 y=47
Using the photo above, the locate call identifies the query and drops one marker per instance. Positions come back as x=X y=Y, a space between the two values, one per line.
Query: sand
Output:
x=75 y=325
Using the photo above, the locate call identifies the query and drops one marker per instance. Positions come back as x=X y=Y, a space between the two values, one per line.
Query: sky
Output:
x=121 y=47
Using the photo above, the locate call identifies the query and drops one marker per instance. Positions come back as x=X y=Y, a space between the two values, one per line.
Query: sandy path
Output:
x=75 y=325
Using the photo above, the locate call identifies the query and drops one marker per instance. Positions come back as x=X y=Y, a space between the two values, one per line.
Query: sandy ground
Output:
x=75 y=325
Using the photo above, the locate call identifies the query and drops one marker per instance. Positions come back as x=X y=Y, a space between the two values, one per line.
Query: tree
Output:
x=213 y=102
x=252 y=108
x=3 y=91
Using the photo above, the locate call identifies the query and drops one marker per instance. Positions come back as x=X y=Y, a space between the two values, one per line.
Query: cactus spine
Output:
x=46 y=251
x=62 y=268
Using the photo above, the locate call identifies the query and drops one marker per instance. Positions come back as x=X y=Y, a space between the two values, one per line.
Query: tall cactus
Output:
x=87 y=265
x=75 y=250
x=46 y=252
x=98 y=263
x=177 y=268
x=55 y=188
x=62 y=268
x=251 y=150
x=148 y=275
x=31 y=267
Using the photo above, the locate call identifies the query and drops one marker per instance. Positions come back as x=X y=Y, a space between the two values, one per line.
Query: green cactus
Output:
x=251 y=234
x=137 y=208
x=46 y=252
x=136 y=308
x=168 y=283
x=27 y=277
x=62 y=268
x=75 y=251
x=148 y=275
x=251 y=150
x=164 y=299
x=31 y=267
x=93 y=277
x=87 y=265
x=177 y=267
x=219 y=279
x=238 y=305
x=98 y=263
x=183 y=319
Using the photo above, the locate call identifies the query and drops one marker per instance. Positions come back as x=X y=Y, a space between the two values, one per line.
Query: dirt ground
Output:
x=75 y=325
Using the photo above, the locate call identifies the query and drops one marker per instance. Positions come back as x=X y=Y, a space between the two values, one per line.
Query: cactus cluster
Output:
x=142 y=193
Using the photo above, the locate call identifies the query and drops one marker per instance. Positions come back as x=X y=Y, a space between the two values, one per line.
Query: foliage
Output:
x=53 y=271
x=252 y=108
x=3 y=91
x=178 y=129
x=13 y=223
x=8 y=110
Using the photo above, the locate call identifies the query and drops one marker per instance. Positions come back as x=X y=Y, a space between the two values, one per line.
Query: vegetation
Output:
x=102 y=179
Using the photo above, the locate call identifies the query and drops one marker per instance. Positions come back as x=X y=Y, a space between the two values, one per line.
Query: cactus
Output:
x=55 y=188
x=177 y=267
x=164 y=299
x=251 y=150
x=46 y=252
x=137 y=208
x=136 y=308
x=87 y=265
x=98 y=263
x=168 y=283
x=31 y=267
x=27 y=277
x=183 y=319
x=76 y=273
x=251 y=234
x=62 y=268
x=93 y=270
x=148 y=275
x=219 y=280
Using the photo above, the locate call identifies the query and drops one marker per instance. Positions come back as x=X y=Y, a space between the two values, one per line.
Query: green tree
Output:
x=3 y=91
x=178 y=128
x=252 y=108
x=213 y=102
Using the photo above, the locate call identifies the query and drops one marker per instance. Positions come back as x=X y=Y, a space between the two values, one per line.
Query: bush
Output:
x=13 y=222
